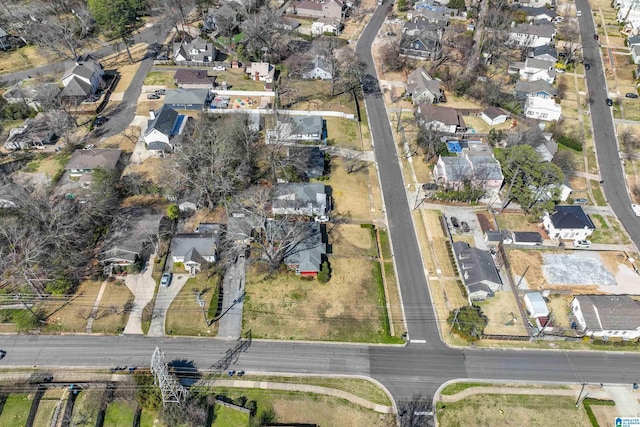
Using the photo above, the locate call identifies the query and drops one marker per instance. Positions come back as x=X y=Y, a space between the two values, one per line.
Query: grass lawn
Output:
x=111 y=318
x=343 y=133
x=351 y=240
x=228 y=417
x=284 y=306
x=599 y=221
x=598 y=195
x=360 y=387
x=50 y=165
x=238 y=80
x=512 y=410
x=152 y=169
x=631 y=109
x=16 y=410
x=23 y=58
x=71 y=315
x=147 y=419
x=350 y=191
x=87 y=406
x=292 y=408
x=119 y=413
x=559 y=304
x=500 y=311
x=160 y=78
x=47 y=406
x=515 y=222
x=617 y=227
x=125 y=140
x=184 y=316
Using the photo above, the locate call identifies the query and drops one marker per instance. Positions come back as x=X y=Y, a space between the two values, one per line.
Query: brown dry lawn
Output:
x=500 y=311
x=153 y=169
x=284 y=306
x=480 y=126
x=559 y=305
x=518 y=222
x=326 y=410
x=350 y=191
x=110 y=317
x=351 y=240
x=143 y=107
x=512 y=411
x=605 y=415
x=71 y=316
x=23 y=58
x=124 y=141
x=520 y=260
x=185 y=316
x=204 y=215
x=423 y=240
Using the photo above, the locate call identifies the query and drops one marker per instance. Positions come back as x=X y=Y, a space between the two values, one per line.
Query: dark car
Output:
x=580 y=201
x=465 y=227
x=100 y=120
x=609 y=102
x=160 y=91
x=454 y=222
x=2 y=354
x=596 y=37
x=587 y=66
x=631 y=95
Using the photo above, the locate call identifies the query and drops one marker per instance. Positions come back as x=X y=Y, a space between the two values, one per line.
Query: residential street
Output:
x=608 y=153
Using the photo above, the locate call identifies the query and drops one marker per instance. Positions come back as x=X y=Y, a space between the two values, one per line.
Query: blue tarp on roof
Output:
x=454 y=147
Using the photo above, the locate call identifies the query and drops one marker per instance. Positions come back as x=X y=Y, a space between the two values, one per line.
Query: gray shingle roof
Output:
x=567 y=217
x=194 y=246
x=419 y=81
x=493 y=112
x=540 y=30
x=307 y=254
x=94 y=158
x=165 y=119
x=186 y=96
x=128 y=234
x=308 y=125
x=535 y=86
x=446 y=115
x=76 y=87
x=311 y=158
x=192 y=77
x=300 y=196
x=477 y=265
x=609 y=312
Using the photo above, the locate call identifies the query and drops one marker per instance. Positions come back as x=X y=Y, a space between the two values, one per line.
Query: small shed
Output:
x=530 y=238
x=536 y=306
x=494 y=116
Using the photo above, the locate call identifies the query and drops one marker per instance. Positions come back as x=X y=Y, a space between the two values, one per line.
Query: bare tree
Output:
x=416 y=412
x=353 y=162
x=264 y=41
x=630 y=143
x=430 y=141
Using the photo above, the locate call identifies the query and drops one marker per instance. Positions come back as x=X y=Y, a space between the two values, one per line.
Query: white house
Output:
x=569 y=223
x=532 y=35
x=607 y=316
x=325 y=25
x=291 y=129
x=538 y=69
x=308 y=199
x=536 y=306
x=321 y=70
x=494 y=116
x=162 y=127
x=542 y=109
x=198 y=50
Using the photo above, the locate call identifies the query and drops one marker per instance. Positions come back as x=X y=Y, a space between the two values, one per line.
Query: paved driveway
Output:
x=142 y=286
x=164 y=298
x=230 y=324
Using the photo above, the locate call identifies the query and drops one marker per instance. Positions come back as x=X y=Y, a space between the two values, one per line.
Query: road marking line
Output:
x=419 y=341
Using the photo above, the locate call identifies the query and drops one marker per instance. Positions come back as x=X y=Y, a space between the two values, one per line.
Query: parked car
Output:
x=153 y=96
x=100 y=120
x=631 y=95
x=635 y=209
x=321 y=218
x=454 y=222
x=596 y=37
x=161 y=91
x=587 y=66
x=580 y=201
x=578 y=14
x=162 y=58
x=165 y=280
x=582 y=244
x=219 y=68
x=465 y=227
x=89 y=146
x=2 y=354
x=609 y=102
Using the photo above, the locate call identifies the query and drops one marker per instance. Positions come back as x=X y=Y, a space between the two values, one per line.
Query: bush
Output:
x=25 y=320
x=469 y=323
x=148 y=395
x=325 y=273
x=59 y=286
x=569 y=142
x=369 y=226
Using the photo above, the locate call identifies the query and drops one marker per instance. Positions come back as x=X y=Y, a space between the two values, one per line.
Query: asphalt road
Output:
x=418 y=310
x=603 y=128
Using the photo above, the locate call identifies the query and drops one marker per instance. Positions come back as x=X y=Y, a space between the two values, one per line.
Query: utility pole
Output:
x=455 y=321
x=522 y=278
x=580 y=395
x=171 y=389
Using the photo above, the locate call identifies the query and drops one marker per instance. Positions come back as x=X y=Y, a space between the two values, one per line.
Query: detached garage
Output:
x=494 y=116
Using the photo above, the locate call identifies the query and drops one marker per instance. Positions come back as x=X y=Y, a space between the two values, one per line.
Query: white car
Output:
x=89 y=147
x=581 y=244
x=578 y=14
x=322 y=218
x=219 y=68
x=635 y=209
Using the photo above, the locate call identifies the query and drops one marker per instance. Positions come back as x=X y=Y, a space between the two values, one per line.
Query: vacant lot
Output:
x=503 y=315
x=351 y=240
x=343 y=133
x=23 y=58
x=125 y=140
x=185 y=316
x=71 y=315
x=112 y=314
x=300 y=408
x=160 y=78
x=152 y=169
x=559 y=305
x=518 y=222
x=284 y=306
x=47 y=406
x=512 y=410
x=350 y=190
x=529 y=261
